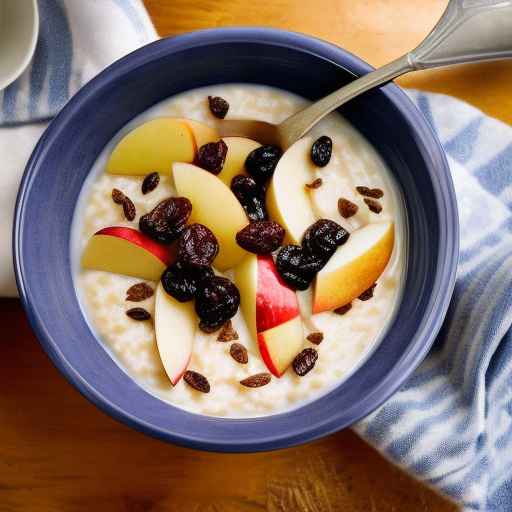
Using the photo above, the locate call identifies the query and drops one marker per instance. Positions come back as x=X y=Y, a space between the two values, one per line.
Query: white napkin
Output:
x=78 y=38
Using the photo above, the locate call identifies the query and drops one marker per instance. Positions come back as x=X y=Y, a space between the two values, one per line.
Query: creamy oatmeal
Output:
x=347 y=336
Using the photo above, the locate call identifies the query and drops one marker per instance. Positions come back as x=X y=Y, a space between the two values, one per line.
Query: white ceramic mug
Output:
x=19 y=28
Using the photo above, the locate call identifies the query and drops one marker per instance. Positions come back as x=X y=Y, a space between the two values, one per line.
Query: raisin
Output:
x=182 y=283
x=257 y=380
x=321 y=151
x=314 y=184
x=305 y=361
x=167 y=220
x=150 y=182
x=376 y=193
x=347 y=208
x=211 y=156
x=373 y=205
x=139 y=292
x=342 y=310
x=315 y=337
x=117 y=196
x=251 y=196
x=197 y=246
x=261 y=237
x=261 y=162
x=368 y=294
x=296 y=267
x=323 y=238
x=227 y=333
x=139 y=314
x=217 y=300
x=197 y=381
x=218 y=106
x=129 y=209
x=239 y=353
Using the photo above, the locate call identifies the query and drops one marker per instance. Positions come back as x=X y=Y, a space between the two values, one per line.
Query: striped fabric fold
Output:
x=451 y=424
x=77 y=39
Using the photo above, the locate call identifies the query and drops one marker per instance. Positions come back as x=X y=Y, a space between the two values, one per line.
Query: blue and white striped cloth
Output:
x=77 y=39
x=451 y=424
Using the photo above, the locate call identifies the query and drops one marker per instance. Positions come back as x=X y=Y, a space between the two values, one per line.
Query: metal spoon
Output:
x=468 y=31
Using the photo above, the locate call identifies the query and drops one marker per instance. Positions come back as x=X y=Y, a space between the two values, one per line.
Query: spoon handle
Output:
x=468 y=31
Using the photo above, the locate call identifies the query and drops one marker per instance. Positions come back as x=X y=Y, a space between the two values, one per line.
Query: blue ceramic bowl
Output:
x=306 y=66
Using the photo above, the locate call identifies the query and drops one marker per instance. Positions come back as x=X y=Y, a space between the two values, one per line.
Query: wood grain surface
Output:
x=59 y=453
x=378 y=31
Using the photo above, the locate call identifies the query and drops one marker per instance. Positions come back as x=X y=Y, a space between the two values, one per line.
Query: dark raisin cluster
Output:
x=192 y=277
x=167 y=221
x=261 y=237
x=211 y=156
x=182 y=282
x=251 y=196
x=323 y=238
x=298 y=265
x=217 y=300
x=197 y=246
x=261 y=162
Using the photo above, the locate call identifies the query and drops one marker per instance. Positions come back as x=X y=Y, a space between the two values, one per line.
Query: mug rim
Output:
x=448 y=234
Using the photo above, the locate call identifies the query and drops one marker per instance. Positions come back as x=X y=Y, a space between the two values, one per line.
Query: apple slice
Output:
x=153 y=146
x=271 y=311
x=124 y=250
x=354 y=267
x=238 y=149
x=175 y=327
x=215 y=206
x=202 y=132
x=246 y=280
x=288 y=201
x=280 y=345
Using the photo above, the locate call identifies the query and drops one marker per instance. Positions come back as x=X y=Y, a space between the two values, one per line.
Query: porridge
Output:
x=228 y=278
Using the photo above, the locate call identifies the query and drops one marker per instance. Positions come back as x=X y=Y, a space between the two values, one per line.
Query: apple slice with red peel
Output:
x=238 y=150
x=215 y=206
x=175 y=328
x=153 y=146
x=354 y=267
x=271 y=311
x=124 y=250
x=280 y=345
x=202 y=132
x=288 y=201
x=275 y=302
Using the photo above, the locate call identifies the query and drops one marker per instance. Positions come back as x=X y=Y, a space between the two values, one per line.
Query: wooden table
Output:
x=59 y=453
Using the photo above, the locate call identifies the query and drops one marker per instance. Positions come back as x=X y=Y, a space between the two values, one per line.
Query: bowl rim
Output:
x=448 y=235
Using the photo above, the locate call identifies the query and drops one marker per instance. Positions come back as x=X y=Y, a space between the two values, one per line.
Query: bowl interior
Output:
x=302 y=65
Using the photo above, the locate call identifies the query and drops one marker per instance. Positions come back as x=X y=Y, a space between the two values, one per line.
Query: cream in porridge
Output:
x=293 y=345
